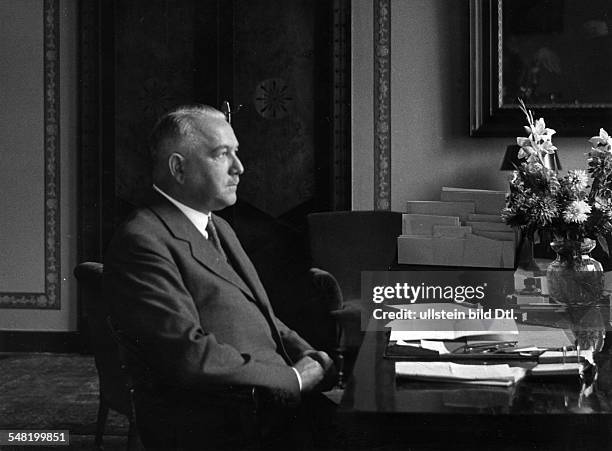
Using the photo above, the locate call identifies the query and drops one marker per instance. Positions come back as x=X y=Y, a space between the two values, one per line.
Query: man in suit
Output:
x=188 y=300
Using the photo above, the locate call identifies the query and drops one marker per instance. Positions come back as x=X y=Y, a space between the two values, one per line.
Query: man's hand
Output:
x=331 y=375
x=311 y=372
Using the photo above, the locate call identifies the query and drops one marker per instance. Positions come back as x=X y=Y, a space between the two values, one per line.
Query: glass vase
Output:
x=577 y=281
x=587 y=325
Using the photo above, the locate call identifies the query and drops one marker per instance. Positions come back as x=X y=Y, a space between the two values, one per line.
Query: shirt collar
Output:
x=198 y=218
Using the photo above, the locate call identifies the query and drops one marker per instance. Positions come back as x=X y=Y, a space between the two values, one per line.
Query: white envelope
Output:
x=487 y=201
x=415 y=250
x=416 y=224
x=439 y=208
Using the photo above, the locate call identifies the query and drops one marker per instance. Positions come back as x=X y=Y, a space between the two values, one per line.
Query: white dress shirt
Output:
x=198 y=218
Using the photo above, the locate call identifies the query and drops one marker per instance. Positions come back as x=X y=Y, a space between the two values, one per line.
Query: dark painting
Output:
x=556 y=52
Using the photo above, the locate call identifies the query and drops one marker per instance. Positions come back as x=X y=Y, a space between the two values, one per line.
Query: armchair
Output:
x=345 y=243
x=116 y=357
x=114 y=385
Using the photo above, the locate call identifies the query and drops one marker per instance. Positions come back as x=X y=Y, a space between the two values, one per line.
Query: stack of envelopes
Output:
x=464 y=228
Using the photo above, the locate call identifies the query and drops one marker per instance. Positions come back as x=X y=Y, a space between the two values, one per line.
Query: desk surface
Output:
x=567 y=413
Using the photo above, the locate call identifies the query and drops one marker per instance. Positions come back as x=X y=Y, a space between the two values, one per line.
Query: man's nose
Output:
x=236 y=167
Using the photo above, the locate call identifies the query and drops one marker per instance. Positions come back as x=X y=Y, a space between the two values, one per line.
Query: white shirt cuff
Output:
x=297 y=373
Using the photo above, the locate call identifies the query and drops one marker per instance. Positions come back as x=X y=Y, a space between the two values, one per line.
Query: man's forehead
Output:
x=213 y=132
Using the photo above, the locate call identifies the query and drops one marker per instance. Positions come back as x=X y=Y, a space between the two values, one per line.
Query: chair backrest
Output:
x=348 y=242
x=114 y=384
x=319 y=327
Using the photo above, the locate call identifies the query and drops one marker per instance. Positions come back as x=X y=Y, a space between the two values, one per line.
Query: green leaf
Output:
x=604 y=244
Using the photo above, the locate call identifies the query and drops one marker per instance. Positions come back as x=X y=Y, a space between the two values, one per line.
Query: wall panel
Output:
x=29 y=226
x=38 y=51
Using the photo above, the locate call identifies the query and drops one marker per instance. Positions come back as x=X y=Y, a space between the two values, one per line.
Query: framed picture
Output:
x=556 y=55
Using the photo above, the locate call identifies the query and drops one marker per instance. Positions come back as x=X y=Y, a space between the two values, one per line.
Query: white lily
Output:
x=603 y=140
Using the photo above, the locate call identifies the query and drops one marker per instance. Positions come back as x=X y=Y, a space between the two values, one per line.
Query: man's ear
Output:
x=176 y=165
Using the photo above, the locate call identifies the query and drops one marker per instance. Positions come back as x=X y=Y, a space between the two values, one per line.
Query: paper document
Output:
x=544 y=337
x=503 y=375
x=423 y=328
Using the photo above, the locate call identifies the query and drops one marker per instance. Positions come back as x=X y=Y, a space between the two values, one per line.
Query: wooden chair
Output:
x=115 y=387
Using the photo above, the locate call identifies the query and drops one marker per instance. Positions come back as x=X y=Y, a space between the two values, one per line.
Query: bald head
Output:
x=194 y=153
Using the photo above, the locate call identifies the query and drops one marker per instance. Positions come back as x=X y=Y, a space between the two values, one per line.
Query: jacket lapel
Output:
x=205 y=253
x=202 y=250
x=240 y=261
x=247 y=272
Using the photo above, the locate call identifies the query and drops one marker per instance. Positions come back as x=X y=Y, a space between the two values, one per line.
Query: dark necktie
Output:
x=213 y=237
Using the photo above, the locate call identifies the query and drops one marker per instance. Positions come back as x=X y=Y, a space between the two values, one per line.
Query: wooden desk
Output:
x=381 y=411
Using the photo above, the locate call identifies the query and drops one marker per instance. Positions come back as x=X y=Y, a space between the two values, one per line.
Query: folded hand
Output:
x=331 y=375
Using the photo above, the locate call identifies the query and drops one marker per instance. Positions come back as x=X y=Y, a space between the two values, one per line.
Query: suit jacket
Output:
x=198 y=322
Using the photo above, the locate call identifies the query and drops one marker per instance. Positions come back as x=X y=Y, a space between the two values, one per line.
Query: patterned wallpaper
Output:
x=154 y=72
x=274 y=80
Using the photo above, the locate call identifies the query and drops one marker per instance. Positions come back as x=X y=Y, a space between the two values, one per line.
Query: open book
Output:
x=436 y=321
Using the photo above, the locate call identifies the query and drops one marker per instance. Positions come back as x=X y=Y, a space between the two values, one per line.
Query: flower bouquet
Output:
x=573 y=207
x=574 y=211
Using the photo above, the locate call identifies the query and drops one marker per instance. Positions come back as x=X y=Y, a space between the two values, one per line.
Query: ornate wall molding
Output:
x=50 y=298
x=382 y=105
x=341 y=72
